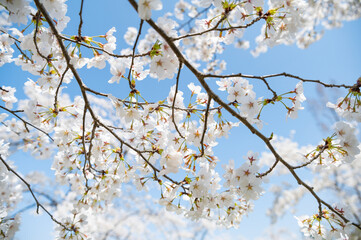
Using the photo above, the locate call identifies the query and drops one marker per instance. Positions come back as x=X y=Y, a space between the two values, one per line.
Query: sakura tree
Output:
x=110 y=146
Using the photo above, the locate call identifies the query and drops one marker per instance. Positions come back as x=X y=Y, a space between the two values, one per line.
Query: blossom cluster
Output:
x=243 y=97
x=349 y=106
x=6 y=52
x=10 y=192
x=7 y=96
x=100 y=142
x=313 y=229
x=329 y=225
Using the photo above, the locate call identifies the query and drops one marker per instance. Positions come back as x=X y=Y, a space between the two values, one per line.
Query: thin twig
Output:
x=84 y=148
x=12 y=37
x=174 y=99
x=215 y=28
x=205 y=125
x=295 y=167
x=308 y=80
x=269 y=170
x=269 y=88
x=155 y=170
x=148 y=103
x=100 y=49
x=52 y=203
x=278 y=75
x=193 y=18
x=107 y=233
x=37 y=17
x=22 y=53
x=38 y=204
x=133 y=53
x=25 y=122
x=57 y=91
x=2 y=89
x=324 y=147
x=30 y=206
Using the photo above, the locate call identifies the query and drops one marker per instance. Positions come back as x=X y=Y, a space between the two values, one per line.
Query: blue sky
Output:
x=335 y=58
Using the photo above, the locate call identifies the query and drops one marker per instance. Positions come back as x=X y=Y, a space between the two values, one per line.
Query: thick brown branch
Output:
x=80 y=18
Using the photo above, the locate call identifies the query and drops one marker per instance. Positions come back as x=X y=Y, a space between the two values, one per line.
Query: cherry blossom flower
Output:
x=98 y=61
x=194 y=89
x=224 y=84
x=235 y=93
x=117 y=68
x=130 y=35
x=99 y=141
x=110 y=46
x=7 y=95
x=145 y=7
x=171 y=161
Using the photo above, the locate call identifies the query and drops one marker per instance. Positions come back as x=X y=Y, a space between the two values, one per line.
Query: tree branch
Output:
x=25 y=122
x=38 y=204
x=80 y=19
x=205 y=125
x=100 y=49
x=278 y=75
x=133 y=54
x=83 y=91
x=201 y=78
x=215 y=28
x=175 y=97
